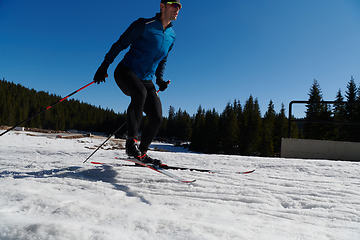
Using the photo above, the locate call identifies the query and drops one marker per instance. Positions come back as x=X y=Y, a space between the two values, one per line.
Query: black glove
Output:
x=101 y=73
x=162 y=84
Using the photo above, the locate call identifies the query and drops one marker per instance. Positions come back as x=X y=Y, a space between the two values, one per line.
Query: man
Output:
x=150 y=41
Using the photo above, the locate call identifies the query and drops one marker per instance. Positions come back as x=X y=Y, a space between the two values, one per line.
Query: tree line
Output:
x=241 y=129
x=238 y=129
x=18 y=103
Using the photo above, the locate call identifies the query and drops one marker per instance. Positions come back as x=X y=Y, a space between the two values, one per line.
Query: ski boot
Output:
x=132 y=149
x=148 y=160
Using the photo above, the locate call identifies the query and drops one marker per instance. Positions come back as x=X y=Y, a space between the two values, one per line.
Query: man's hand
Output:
x=101 y=73
x=162 y=84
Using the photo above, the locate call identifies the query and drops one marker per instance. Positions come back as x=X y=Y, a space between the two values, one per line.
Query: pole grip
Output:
x=168 y=82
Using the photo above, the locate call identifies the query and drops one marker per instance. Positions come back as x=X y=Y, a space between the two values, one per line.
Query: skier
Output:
x=150 y=41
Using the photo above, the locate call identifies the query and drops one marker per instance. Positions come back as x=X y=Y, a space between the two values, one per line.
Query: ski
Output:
x=152 y=167
x=203 y=170
x=167 y=167
x=164 y=166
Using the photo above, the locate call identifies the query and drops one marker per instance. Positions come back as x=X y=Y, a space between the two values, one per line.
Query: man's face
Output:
x=171 y=11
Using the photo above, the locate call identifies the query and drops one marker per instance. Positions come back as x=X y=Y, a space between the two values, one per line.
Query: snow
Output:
x=46 y=192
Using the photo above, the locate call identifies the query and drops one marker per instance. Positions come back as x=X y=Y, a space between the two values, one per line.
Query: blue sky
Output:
x=225 y=50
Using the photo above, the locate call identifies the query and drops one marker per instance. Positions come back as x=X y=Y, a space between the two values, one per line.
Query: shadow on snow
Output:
x=105 y=174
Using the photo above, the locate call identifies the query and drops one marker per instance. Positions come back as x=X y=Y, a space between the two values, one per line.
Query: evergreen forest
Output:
x=238 y=129
x=18 y=103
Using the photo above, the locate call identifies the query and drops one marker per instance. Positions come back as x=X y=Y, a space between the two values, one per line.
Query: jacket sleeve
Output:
x=161 y=67
x=132 y=33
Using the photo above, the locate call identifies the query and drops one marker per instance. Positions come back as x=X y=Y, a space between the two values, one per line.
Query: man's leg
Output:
x=153 y=111
x=132 y=86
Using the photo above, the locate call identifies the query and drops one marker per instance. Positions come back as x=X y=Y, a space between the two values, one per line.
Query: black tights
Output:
x=144 y=98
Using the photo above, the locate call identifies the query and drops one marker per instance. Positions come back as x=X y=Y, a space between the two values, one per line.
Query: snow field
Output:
x=46 y=192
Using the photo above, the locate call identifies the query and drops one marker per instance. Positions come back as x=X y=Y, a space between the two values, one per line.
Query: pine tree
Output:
x=268 y=128
x=170 y=129
x=240 y=121
x=351 y=95
x=229 y=130
x=339 y=113
x=212 y=137
x=198 y=131
x=317 y=112
x=251 y=127
x=351 y=111
x=280 y=129
x=183 y=126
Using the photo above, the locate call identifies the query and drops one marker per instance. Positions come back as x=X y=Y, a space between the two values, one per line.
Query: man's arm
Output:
x=132 y=33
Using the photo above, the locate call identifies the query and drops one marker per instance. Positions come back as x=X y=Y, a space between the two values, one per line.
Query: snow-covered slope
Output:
x=46 y=192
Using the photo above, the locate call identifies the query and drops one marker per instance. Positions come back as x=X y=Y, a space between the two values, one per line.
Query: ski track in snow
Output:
x=48 y=193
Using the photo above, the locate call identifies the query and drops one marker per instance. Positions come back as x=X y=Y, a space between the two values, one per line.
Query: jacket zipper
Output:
x=162 y=44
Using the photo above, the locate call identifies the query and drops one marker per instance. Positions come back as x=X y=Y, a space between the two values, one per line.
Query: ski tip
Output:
x=248 y=172
x=188 y=181
x=96 y=163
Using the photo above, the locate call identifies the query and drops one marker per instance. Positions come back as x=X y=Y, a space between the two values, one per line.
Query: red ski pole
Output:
x=52 y=105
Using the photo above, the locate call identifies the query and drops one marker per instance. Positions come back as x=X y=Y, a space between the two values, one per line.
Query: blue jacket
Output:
x=150 y=45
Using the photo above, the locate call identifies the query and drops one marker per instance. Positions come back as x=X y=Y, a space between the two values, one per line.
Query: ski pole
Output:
x=52 y=105
x=105 y=142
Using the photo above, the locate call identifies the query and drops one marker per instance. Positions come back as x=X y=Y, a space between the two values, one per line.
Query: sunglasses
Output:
x=175 y=4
